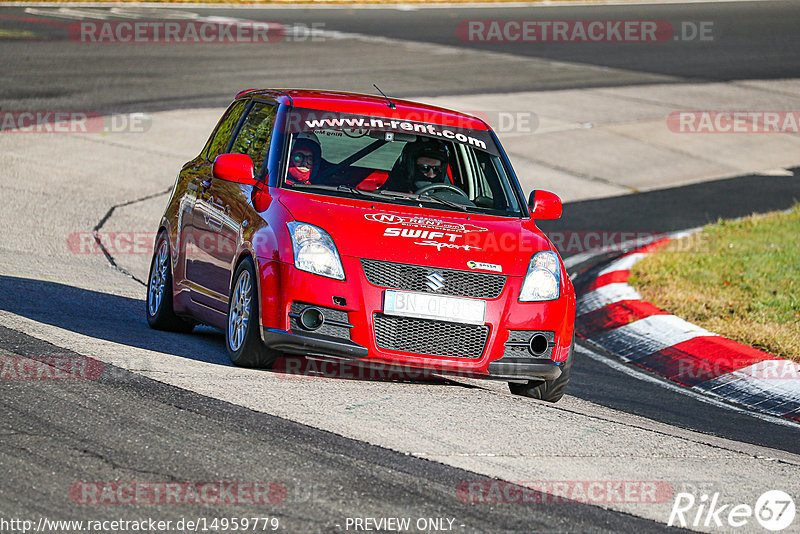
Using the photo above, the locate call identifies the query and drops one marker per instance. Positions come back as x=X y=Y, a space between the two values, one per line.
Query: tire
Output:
x=242 y=338
x=547 y=390
x=158 y=305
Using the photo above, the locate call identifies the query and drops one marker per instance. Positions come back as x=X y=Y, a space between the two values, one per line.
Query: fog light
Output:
x=311 y=318
x=537 y=345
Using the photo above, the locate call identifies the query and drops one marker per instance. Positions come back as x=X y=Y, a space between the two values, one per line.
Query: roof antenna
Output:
x=390 y=103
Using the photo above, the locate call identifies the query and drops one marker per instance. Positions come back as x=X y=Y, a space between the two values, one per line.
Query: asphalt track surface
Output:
x=124 y=426
x=750 y=41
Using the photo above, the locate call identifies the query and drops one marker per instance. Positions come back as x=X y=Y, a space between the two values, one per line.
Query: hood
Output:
x=421 y=236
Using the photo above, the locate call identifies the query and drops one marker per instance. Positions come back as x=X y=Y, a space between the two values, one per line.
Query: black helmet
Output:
x=424 y=147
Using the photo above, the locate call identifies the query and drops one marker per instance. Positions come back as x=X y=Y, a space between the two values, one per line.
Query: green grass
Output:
x=739 y=279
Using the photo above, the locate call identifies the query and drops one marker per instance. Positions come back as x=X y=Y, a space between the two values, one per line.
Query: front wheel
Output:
x=160 y=313
x=242 y=338
x=546 y=390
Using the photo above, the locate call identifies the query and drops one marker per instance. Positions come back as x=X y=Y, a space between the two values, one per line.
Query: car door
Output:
x=222 y=207
x=197 y=240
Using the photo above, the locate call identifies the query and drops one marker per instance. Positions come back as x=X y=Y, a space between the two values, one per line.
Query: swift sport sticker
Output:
x=439 y=245
x=419 y=234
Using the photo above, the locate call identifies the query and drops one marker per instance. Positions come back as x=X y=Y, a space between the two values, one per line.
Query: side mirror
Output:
x=544 y=205
x=236 y=168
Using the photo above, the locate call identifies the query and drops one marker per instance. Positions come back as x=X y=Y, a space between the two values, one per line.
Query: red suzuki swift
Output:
x=355 y=227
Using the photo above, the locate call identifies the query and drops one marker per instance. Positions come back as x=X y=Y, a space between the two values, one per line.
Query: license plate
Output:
x=437 y=307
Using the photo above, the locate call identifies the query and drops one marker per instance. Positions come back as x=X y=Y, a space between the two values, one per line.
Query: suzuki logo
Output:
x=435 y=281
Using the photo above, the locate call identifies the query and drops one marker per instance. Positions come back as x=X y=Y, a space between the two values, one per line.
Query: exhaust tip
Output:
x=537 y=345
x=311 y=318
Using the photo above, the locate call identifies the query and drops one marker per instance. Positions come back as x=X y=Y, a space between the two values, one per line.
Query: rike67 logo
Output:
x=774 y=510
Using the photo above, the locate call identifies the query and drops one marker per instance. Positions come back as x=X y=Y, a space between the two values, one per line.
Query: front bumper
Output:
x=330 y=348
x=282 y=286
x=319 y=346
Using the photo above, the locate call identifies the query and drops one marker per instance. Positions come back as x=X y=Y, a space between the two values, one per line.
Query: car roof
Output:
x=370 y=105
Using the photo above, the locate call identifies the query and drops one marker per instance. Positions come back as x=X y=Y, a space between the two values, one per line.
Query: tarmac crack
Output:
x=116 y=466
x=104 y=220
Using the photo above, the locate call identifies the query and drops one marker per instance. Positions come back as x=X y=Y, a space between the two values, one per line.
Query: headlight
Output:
x=543 y=280
x=314 y=250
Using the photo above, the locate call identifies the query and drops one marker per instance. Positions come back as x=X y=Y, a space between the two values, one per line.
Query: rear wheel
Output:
x=242 y=338
x=546 y=390
x=160 y=313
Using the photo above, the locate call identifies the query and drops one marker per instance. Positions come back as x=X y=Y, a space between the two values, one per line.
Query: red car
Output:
x=355 y=227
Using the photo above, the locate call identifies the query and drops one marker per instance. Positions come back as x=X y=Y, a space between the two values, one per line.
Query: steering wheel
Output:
x=431 y=187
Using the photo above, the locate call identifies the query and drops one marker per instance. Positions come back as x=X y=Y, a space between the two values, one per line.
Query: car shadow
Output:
x=122 y=320
x=104 y=316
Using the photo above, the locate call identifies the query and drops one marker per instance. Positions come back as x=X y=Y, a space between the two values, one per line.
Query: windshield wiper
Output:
x=344 y=188
x=423 y=197
x=450 y=203
x=354 y=190
x=397 y=194
x=313 y=186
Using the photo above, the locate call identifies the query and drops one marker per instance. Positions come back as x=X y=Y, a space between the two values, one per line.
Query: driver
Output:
x=423 y=162
x=304 y=159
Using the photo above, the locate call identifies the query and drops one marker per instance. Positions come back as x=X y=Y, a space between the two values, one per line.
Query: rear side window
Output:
x=223 y=134
x=255 y=134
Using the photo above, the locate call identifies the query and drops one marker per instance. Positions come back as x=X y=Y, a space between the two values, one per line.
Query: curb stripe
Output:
x=772 y=369
x=776 y=397
x=612 y=316
x=646 y=336
x=700 y=359
x=616 y=315
x=624 y=263
x=614 y=277
x=603 y=296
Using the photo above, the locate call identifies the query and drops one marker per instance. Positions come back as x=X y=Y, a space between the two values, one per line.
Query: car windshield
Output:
x=398 y=161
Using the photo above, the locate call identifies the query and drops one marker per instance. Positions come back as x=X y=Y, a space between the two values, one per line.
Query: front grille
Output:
x=517 y=344
x=332 y=315
x=412 y=278
x=434 y=338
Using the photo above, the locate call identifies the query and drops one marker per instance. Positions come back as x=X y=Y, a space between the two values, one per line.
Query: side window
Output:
x=255 y=133
x=226 y=127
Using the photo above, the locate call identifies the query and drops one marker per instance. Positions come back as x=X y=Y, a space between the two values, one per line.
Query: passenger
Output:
x=304 y=159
